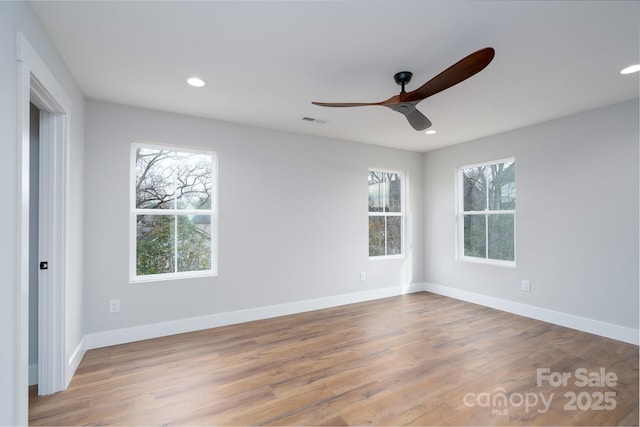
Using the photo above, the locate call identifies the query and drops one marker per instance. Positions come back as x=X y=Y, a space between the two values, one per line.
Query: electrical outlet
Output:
x=526 y=286
x=114 y=305
x=362 y=276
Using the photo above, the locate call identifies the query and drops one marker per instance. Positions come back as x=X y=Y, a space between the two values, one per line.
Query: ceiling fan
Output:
x=405 y=102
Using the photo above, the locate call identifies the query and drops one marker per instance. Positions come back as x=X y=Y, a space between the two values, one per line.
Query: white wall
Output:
x=293 y=220
x=576 y=221
x=17 y=16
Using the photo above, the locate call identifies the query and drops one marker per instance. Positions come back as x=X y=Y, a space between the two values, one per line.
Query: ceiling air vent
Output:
x=314 y=120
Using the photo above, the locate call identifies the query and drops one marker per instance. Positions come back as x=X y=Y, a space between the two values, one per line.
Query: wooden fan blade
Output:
x=416 y=119
x=460 y=71
x=345 y=104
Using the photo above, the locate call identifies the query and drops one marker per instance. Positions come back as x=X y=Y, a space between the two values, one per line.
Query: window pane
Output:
x=169 y=178
x=394 y=235
x=154 y=244
x=502 y=186
x=475 y=189
x=154 y=179
x=501 y=232
x=376 y=236
x=194 y=242
x=193 y=180
x=474 y=236
x=377 y=184
x=393 y=193
x=385 y=197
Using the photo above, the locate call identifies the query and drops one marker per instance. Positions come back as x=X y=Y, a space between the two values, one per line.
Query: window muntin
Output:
x=173 y=216
x=386 y=213
x=486 y=217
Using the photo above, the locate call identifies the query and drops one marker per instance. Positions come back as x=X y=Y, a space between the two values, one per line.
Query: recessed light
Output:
x=195 y=82
x=631 y=69
x=431 y=131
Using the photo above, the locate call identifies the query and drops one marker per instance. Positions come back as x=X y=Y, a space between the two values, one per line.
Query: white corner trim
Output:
x=143 y=332
x=74 y=362
x=597 y=327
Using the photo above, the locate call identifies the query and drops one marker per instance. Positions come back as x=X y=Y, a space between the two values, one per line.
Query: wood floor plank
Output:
x=418 y=359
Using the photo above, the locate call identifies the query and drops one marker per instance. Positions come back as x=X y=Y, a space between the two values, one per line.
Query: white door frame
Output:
x=36 y=84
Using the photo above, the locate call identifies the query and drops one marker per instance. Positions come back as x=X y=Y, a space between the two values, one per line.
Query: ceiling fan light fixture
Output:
x=631 y=69
x=195 y=82
x=431 y=132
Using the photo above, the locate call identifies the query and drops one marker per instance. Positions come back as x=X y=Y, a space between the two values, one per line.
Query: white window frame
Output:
x=461 y=213
x=134 y=211
x=403 y=180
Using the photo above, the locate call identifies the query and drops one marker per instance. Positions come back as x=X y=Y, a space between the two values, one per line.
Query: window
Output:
x=487 y=212
x=173 y=212
x=386 y=213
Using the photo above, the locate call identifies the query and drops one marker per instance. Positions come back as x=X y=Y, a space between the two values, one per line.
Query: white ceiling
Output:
x=265 y=61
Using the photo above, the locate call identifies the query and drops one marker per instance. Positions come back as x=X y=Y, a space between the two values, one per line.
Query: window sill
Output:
x=386 y=257
x=486 y=261
x=172 y=276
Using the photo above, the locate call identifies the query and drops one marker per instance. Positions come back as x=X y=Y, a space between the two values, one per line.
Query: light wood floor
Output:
x=418 y=359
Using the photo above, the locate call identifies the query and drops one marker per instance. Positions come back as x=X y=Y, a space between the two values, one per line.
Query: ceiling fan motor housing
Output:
x=402 y=78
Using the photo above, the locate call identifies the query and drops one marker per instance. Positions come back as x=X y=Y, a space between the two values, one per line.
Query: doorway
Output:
x=37 y=86
x=50 y=262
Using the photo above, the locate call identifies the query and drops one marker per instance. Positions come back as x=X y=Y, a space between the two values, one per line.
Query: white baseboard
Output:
x=138 y=333
x=609 y=330
x=74 y=361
